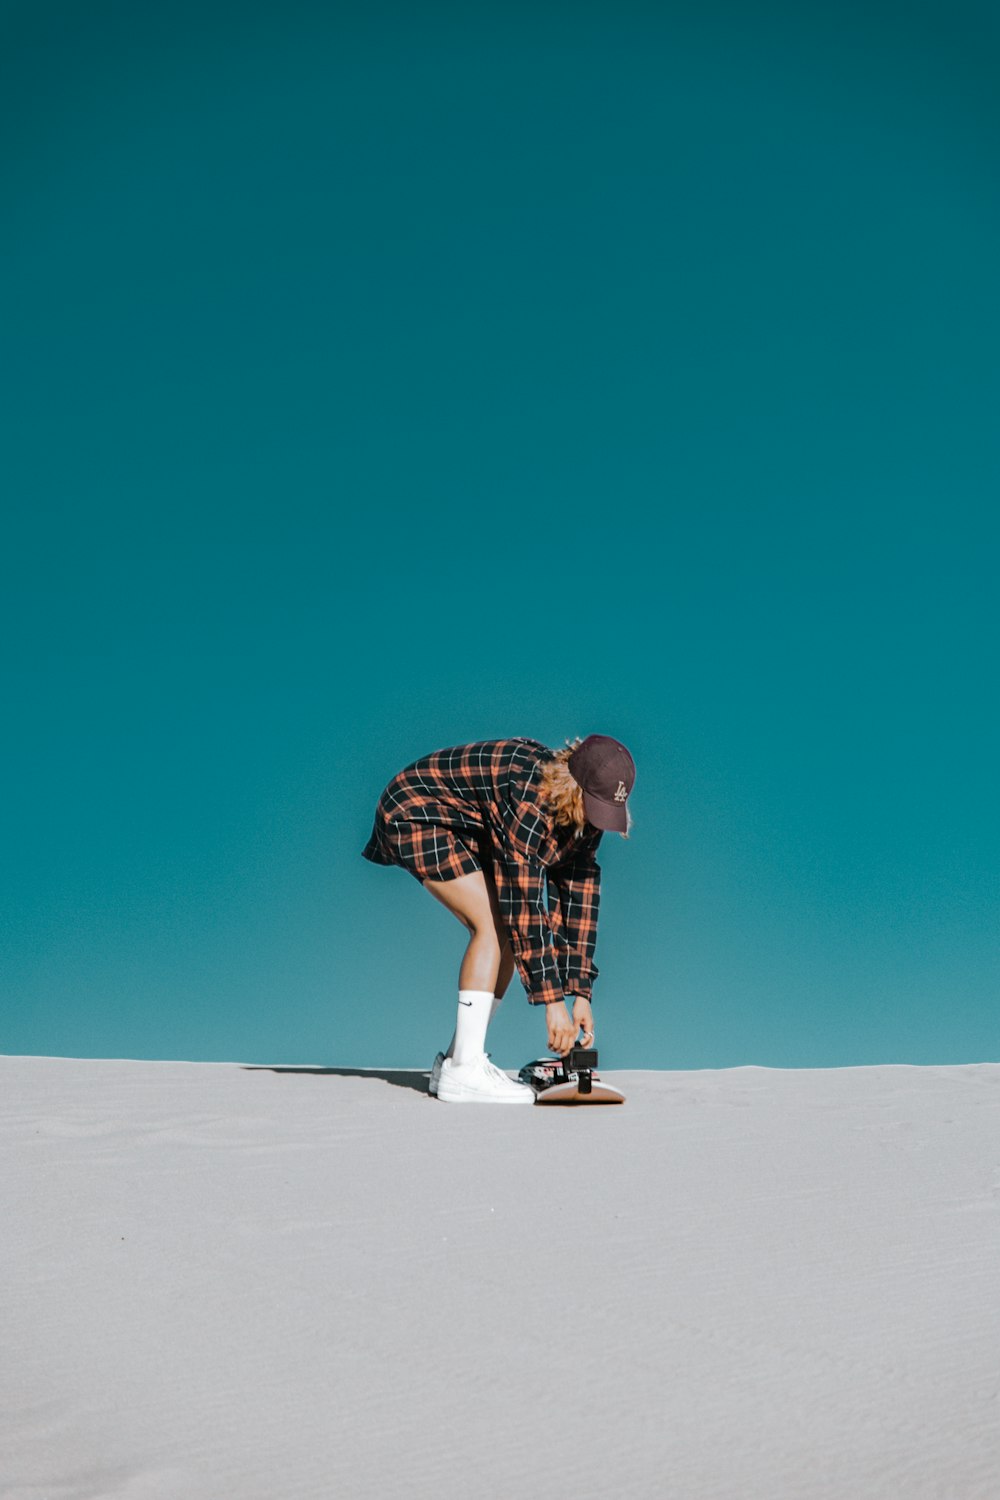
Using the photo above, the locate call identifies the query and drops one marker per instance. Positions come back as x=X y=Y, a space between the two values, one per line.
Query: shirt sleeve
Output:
x=574 y=901
x=520 y=878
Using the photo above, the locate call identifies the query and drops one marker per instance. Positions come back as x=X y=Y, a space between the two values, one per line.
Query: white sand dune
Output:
x=748 y=1284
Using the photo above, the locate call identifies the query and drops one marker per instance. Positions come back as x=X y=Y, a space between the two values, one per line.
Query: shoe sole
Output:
x=470 y=1097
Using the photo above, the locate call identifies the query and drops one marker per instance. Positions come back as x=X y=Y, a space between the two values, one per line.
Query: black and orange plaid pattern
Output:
x=478 y=806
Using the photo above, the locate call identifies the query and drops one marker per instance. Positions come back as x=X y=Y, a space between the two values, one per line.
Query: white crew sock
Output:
x=475 y=1008
x=497 y=999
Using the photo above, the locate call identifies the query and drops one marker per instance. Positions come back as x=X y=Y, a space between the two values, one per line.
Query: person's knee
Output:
x=484 y=931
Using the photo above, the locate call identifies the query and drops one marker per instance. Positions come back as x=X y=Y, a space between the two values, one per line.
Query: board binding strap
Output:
x=572 y=1079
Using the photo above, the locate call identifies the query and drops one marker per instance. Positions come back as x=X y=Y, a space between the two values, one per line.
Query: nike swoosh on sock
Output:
x=465 y=1002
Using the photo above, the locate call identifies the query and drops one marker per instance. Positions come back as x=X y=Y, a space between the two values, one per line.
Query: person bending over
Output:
x=504 y=833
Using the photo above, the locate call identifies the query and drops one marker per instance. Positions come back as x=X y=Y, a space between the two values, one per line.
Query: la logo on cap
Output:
x=621 y=793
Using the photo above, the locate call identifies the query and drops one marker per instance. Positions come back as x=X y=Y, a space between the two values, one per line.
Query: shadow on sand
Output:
x=400 y=1078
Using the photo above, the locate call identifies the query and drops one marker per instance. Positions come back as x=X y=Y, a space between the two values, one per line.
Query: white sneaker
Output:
x=479 y=1082
x=435 y=1073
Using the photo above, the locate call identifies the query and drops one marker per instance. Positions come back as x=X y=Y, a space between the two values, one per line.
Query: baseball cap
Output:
x=606 y=772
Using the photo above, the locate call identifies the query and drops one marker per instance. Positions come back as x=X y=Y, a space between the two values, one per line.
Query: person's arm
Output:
x=523 y=899
x=520 y=878
x=521 y=893
x=575 y=896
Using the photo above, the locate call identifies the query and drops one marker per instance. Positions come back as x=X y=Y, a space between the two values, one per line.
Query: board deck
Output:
x=569 y=1080
x=569 y=1093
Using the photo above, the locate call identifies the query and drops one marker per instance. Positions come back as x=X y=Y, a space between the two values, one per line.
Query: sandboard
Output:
x=572 y=1079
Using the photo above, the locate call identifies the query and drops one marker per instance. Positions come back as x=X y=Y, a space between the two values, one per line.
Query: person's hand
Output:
x=584 y=1018
x=562 y=1031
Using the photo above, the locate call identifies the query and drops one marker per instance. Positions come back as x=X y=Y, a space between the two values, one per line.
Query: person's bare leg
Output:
x=468 y=899
x=466 y=903
x=505 y=970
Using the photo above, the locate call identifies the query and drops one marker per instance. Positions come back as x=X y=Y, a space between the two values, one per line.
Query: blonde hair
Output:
x=564 y=794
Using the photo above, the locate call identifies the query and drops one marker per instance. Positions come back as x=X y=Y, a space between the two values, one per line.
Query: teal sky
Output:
x=380 y=378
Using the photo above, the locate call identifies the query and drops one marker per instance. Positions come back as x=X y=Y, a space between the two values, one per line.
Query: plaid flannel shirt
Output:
x=485 y=796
